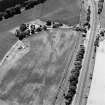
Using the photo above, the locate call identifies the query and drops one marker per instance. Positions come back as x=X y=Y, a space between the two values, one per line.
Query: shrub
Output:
x=23 y=27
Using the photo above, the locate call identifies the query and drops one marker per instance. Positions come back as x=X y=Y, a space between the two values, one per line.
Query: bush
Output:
x=20 y=34
x=68 y=96
x=77 y=63
x=41 y=1
x=6 y=15
x=10 y=12
x=73 y=78
x=29 y=5
x=1 y=16
x=17 y=9
x=73 y=83
x=23 y=27
x=76 y=74
x=74 y=70
x=79 y=57
x=68 y=102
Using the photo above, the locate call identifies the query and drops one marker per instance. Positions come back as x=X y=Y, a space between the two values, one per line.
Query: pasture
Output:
x=36 y=77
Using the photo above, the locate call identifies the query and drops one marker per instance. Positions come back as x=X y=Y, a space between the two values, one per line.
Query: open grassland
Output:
x=35 y=77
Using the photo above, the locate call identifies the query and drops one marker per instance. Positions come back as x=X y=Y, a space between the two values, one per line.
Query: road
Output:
x=79 y=98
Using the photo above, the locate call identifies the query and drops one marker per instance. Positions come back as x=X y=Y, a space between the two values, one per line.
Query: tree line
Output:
x=73 y=79
x=9 y=8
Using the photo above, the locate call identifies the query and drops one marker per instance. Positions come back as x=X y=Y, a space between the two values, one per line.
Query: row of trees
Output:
x=88 y=14
x=100 y=6
x=73 y=79
x=10 y=12
x=4 y=4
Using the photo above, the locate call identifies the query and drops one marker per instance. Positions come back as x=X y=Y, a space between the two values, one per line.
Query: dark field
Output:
x=35 y=79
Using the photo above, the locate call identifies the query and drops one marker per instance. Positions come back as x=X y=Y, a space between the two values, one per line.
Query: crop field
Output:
x=35 y=78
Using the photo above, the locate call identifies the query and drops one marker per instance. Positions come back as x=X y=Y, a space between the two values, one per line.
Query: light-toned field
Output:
x=35 y=78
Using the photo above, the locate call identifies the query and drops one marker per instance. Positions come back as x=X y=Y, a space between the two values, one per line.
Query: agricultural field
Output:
x=65 y=11
x=34 y=79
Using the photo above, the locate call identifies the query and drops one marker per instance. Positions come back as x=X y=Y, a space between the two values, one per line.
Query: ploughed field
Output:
x=35 y=78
